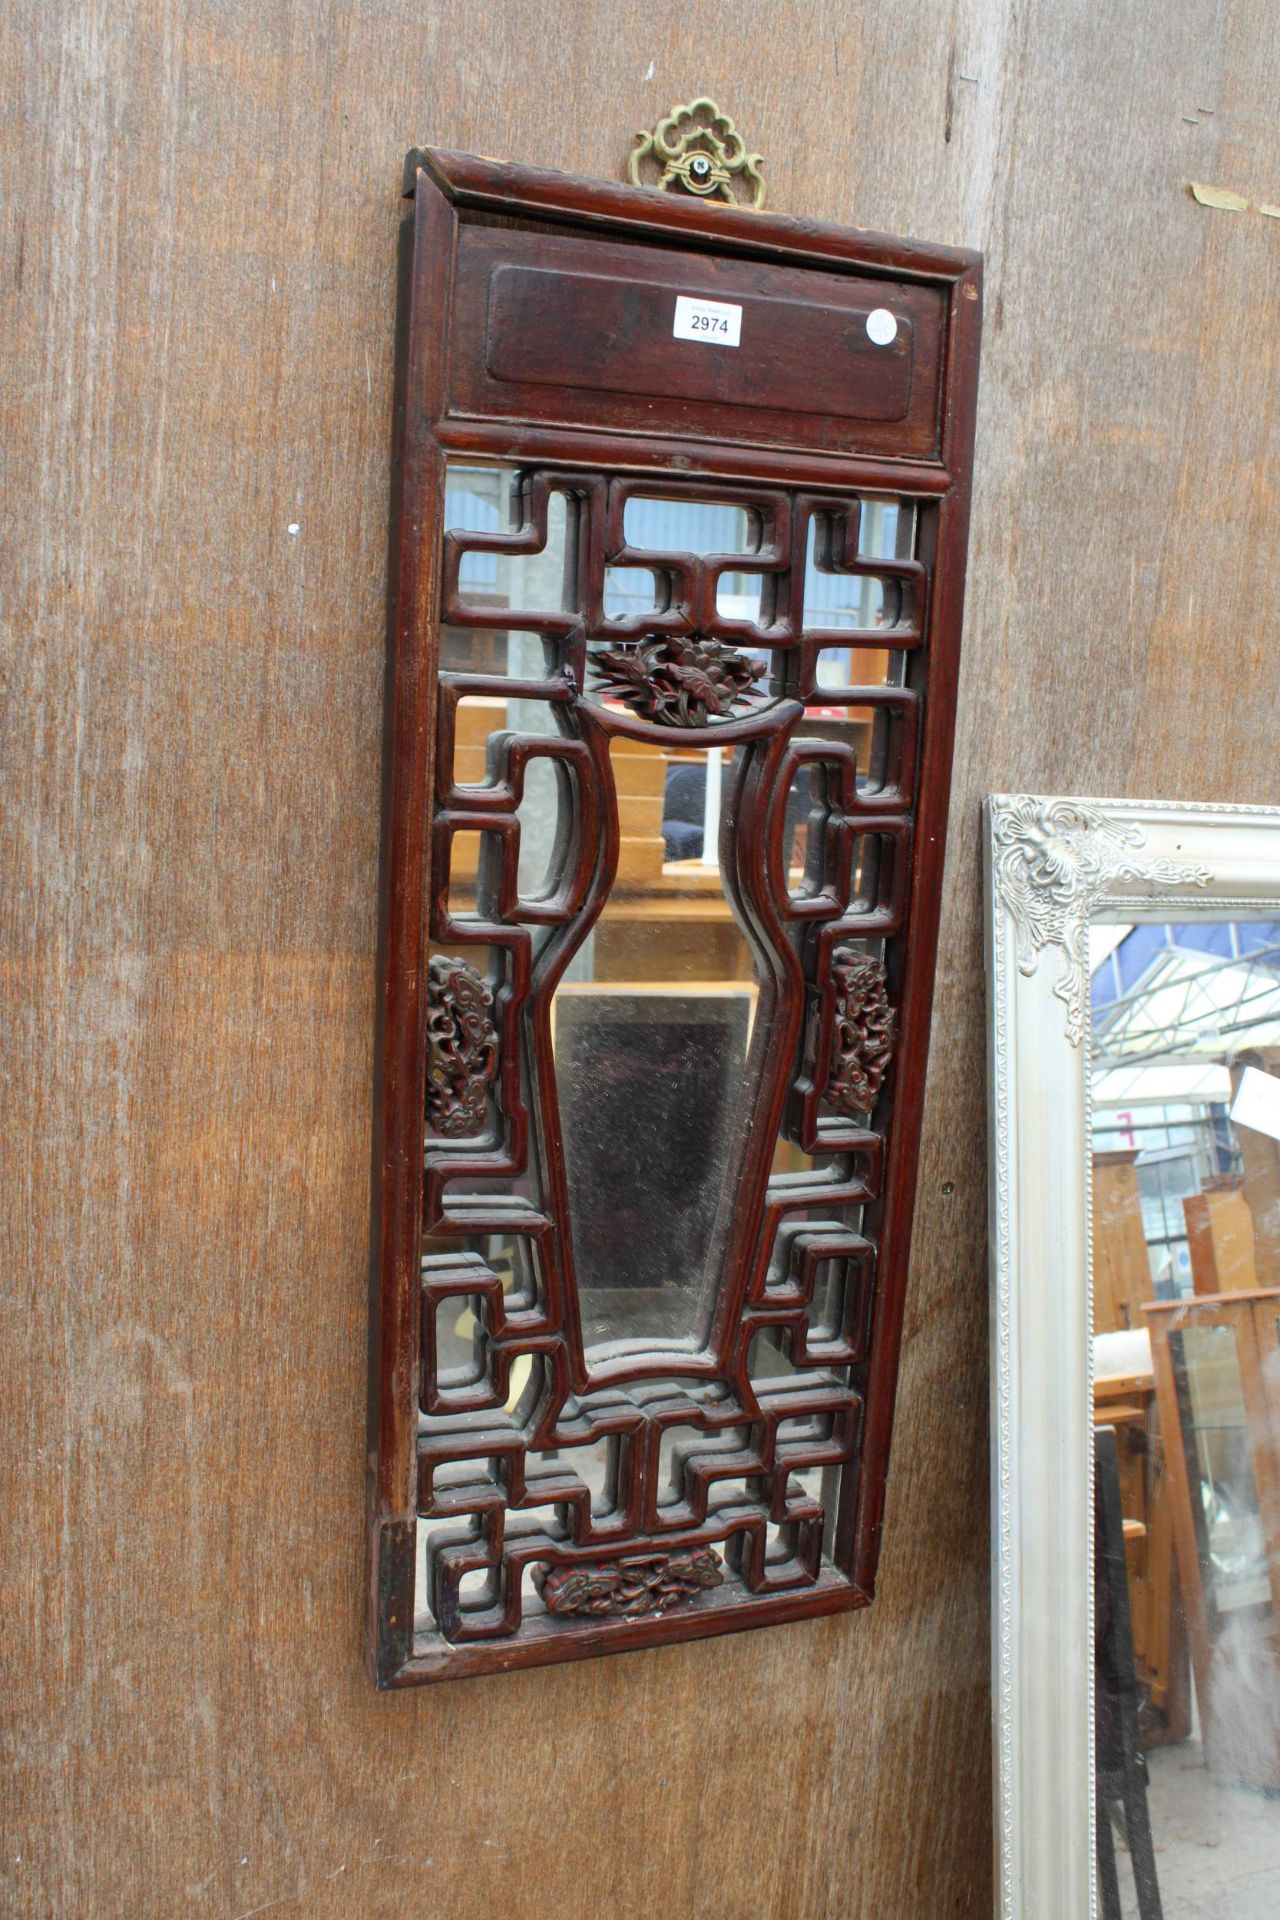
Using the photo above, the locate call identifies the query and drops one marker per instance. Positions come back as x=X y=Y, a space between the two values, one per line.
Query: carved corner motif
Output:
x=1052 y=861
x=643 y=1583
x=462 y=1048
x=678 y=681
x=863 y=1035
x=696 y=149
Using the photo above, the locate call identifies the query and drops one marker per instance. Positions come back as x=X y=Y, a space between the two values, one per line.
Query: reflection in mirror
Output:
x=483 y=500
x=631 y=592
x=742 y=596
x=689 y=526
x=1219 y=1459
x=886 y=529
x=497 y=652
x=770 y=1361
x=594 y=1466
x=1186 y=1299
x=478 y=718
x=466 y=855
x=685 y=526
x=547 y=799
x=861 y=602
x=651 y=1041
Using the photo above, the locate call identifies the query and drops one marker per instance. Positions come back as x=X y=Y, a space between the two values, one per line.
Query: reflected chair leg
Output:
x=1108 y=1879
x=1137 y=1823
x=1116 y=1671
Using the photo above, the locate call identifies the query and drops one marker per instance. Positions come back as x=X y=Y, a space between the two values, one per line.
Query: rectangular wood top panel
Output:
x=579 y=331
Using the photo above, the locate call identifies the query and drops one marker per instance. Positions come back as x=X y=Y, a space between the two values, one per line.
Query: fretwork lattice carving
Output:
x=611 y=1543
x=552 y=1477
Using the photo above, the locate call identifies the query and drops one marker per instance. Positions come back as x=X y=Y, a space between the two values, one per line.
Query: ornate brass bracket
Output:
x=696 y=149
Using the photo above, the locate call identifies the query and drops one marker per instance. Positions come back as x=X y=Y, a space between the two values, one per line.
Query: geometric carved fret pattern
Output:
x=557 y=1488
x=543 y=1490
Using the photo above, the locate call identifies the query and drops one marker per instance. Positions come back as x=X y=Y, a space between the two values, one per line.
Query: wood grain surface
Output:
x=197 y=297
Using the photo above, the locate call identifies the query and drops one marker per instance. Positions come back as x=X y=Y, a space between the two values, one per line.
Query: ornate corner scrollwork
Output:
x=643 y=1583
x=863 y=1034
x=678 y=681
x=462 y=1048
x=696 y=149
x=1052 y=861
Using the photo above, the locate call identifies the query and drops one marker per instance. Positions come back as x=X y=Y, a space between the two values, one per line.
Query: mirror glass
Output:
x=1186 y=1350
x=651 y=1028
x=653 y=1018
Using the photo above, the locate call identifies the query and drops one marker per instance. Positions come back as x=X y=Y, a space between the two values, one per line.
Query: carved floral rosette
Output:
x=677 y=680
x=863 y=1033
x=462 y=1048
x=640 y=1584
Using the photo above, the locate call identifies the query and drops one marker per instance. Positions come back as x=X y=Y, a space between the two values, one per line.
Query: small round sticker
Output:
x=882 y=328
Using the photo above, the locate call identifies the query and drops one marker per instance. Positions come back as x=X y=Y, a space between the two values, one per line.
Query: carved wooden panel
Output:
x=649 y=1114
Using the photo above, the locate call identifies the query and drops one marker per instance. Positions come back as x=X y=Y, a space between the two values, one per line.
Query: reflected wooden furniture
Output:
x=1220 y=1237
x=1121 y=1768
x=1216 y=1361
x=1121 y=1265
x=1126 y=1402
x=1260 y=1156
x=640 y=777
x=665 y=919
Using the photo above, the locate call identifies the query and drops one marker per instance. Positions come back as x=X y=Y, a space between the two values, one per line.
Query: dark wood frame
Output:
x=447 y=189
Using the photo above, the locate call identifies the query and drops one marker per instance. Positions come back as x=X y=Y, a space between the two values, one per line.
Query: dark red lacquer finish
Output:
x=537 y=334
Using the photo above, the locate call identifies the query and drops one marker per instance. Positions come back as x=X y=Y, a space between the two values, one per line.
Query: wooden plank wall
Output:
x=197 y=295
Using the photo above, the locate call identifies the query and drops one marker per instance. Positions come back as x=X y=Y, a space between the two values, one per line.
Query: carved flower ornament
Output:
x=642 y=1583
x=864 y=1032
x=462 y=1047
x=678 y=681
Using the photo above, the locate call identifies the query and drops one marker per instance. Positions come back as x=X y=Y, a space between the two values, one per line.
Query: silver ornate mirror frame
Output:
x=1053 y=865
